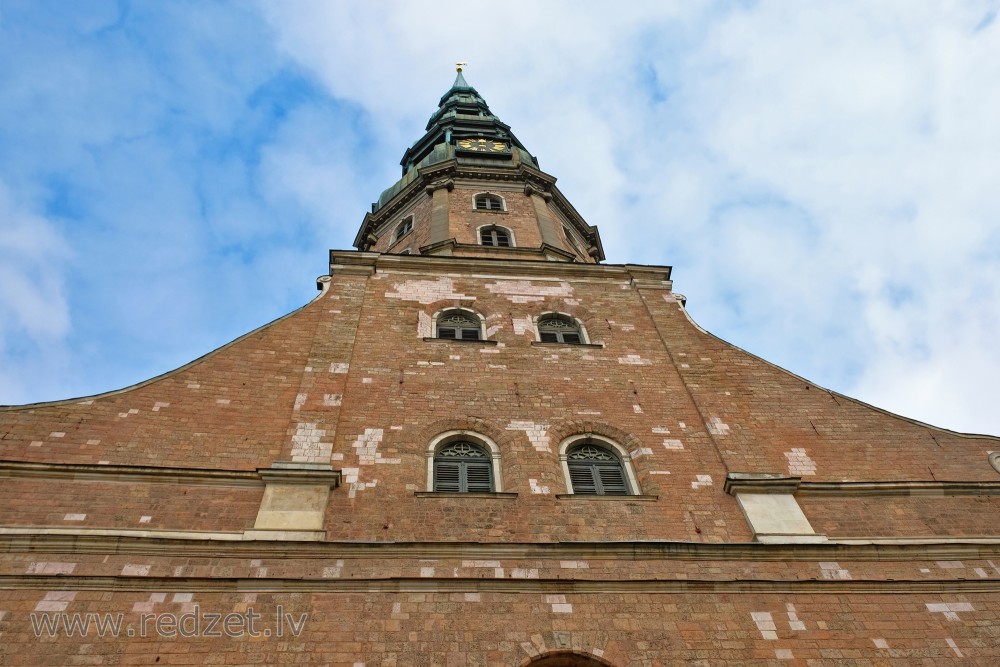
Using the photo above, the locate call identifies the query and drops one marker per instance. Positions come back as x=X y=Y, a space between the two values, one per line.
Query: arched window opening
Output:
x=458 y=325
x=559 y=329
x=497 y=237
x=404 y=228
x=595 y=470
x=463 y=467
x=488 y=202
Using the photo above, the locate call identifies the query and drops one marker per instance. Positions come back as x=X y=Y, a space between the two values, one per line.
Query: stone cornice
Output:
x=351 y=261
x=163 y=475
x=66 y=541
x=129 y=473
x=445 y=173
x=748 y=482
x=537 y=253
x=465 y=584
x=905 y=488
x=740 y=482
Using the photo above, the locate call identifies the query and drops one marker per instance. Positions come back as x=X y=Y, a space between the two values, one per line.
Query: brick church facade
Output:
x=482 y=445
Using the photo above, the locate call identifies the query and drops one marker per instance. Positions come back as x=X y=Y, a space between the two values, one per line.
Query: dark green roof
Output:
x=462 y=113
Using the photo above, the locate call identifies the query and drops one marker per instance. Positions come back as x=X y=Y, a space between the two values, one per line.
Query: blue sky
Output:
x=822 y=177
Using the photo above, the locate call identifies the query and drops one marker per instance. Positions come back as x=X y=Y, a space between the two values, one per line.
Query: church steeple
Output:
x=470 y=188
x=463 y=121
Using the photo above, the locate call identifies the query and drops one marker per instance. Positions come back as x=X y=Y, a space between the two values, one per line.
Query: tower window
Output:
x=595 y=470
x=488 y=202
x=497 y=237
x=458 y=325
x=559 y=329
x=463 y=467
x=404 y=228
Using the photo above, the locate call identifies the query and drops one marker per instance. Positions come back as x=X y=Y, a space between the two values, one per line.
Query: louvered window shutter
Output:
x=463 y=467
x=595 y=470
x=581 y=475
x=477 y=477
x=447 y=476
x=612 y=480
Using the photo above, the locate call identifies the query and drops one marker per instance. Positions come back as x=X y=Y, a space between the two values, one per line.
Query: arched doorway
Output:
x=566 y=659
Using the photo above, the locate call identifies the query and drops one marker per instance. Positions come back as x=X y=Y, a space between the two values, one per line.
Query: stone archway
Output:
x=566 y=659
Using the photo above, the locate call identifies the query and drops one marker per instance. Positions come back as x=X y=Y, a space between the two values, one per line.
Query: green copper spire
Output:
x=460 y=80
x=463 y=125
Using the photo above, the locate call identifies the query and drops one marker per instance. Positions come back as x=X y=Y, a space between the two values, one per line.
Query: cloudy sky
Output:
x=823 y=177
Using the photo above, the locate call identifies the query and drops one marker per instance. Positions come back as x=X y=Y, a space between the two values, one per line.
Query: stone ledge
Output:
x=540 y=343
x=897 y=488
x=285 y=535
x=594 y=496
x=751 y=482
x=279 y=472
x=313 y=474
x=435 y=339
x=18 y=539
x=127 y=473
x=745 y=482
x=790 y=538
x=499 y=495
x=466 y=584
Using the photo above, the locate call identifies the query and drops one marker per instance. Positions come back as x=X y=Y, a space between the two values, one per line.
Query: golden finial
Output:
x=459 y=66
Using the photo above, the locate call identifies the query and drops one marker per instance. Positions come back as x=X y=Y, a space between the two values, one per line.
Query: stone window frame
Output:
x=489 y=195
x=573 y=242
x=404 y=227
x=448 y=437
x=493 y=227
x=458 y=309
x=554 y=314
x=624 y=458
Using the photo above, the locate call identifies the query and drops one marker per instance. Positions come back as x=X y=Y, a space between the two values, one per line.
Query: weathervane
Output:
x=459 y=66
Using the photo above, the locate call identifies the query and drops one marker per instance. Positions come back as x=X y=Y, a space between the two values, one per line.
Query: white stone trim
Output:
x=503 y=200
x=451 y=436
x=510 y=232
x=476 y=314
x=579 y=323
x=623 y=456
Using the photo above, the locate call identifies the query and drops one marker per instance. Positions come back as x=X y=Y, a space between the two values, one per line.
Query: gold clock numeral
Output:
x=482 y=145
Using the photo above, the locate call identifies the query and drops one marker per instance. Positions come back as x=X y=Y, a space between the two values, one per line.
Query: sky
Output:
x=823 y=177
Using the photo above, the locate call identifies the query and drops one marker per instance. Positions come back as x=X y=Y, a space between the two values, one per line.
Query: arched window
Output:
x=488 y=202
x=571 y=238
x=403 y=228
x=596 y=470
x=463 y=467
x=554 y=328
x=495 y=236
x=458 y=325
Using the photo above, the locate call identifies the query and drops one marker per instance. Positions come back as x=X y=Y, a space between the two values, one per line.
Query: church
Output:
x=480 y=445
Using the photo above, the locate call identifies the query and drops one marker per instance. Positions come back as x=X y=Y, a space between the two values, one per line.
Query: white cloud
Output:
x=821 y=177
x=32 y=298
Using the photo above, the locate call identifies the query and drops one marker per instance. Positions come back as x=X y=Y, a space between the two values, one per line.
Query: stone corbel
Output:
x=294 y=503
x=530 y=189
x=769 y=505
x=446 y=183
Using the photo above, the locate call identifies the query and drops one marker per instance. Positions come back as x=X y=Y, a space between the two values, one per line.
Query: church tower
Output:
x=471 y=189
x=482 y=444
